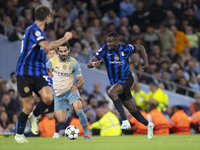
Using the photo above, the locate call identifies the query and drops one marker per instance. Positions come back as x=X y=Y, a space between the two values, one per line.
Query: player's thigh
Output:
x=74 y=101
x=115 y=89
x=28 y=104
x=77 y=105
x=61 y=115
x=46 y=94
x=128 y=84
x=126 y=95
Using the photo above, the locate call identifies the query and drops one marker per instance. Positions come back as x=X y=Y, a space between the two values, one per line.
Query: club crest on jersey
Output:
x=122 y=53
x=37 y=33
x=64 y=67
x=116 y=57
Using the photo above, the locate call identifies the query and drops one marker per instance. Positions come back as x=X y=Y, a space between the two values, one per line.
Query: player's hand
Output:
x=145 y=68
x=97 y=63
x=73 y=89
x=50 y=73
x=68 y=35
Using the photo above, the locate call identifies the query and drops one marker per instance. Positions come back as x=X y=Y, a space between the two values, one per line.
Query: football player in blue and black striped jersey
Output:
x=115 y=57
x=31 y=71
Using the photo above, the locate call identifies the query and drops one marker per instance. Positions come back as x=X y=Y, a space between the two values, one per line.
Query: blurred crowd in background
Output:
x=168 y=29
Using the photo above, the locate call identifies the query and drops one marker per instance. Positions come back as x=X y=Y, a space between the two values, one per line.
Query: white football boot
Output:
x=20 y=138
x=56 y=135
x=125 y=125
x=150 y=130
x=34 y=127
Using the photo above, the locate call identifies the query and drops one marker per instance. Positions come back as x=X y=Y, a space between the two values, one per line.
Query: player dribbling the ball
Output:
x=66 y=95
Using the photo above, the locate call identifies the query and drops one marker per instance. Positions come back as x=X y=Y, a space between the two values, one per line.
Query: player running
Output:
x=116 y=57
x=65 y=92
x=31 y=71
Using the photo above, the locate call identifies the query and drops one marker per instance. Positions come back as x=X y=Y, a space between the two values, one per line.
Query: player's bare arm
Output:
x=141 y=50
x=79 y=83
x=52 y=45
x=50 y=73
x=94 y=62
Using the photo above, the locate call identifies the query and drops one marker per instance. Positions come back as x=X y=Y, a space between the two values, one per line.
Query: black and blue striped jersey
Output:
x=116 y=62
x=32 y=59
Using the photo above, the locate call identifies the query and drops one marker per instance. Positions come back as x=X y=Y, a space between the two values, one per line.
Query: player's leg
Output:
x=113 y=93
x=43 y=88
x=61 y=107
x=28 y=104
x=61 y=115
x=57 y=128
x=25 y=90
x=82 y=117
x=131 y=106
x=60 y=118
x=50 y=115
x=45 y=92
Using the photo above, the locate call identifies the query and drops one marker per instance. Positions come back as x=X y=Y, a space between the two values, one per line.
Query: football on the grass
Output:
x=72 y=132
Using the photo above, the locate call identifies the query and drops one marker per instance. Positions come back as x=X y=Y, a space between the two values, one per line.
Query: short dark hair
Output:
x=65 y=44
x=12 y=73
x=41 y=12
x=113 y=34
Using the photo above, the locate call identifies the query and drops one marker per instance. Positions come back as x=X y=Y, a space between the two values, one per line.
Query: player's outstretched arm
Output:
x=94 y=62
x=52 y=45
x=141 y=50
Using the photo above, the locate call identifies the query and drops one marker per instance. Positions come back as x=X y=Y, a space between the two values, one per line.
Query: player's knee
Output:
x=111 y=94
x=28 y=108
x=48 y=99
x=61 y=120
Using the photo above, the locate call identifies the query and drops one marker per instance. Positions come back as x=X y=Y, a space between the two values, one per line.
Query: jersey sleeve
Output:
x=130 y=49
x=49 y=64
x=101 y=52
x=37 y=36
x=77 y=69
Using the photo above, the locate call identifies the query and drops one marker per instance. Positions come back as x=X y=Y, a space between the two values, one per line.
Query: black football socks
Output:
x=40 y=107
x=140 y=117
x=21 y=123
x=120 y=109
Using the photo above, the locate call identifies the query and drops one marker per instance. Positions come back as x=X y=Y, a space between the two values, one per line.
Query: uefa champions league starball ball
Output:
x=72 y=132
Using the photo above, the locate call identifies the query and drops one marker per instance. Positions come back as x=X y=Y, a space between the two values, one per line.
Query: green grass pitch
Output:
x=171 y=142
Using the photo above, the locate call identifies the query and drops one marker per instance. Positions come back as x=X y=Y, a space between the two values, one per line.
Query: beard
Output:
x=63 y=57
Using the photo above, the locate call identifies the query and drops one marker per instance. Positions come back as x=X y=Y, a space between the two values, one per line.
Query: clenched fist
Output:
x=68 y=35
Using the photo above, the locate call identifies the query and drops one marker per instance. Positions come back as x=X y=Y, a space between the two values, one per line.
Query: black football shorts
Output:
x=28 y=84
x=126 y=95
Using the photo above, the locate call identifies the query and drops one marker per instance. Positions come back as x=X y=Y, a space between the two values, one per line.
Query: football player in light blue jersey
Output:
x=65 y=92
